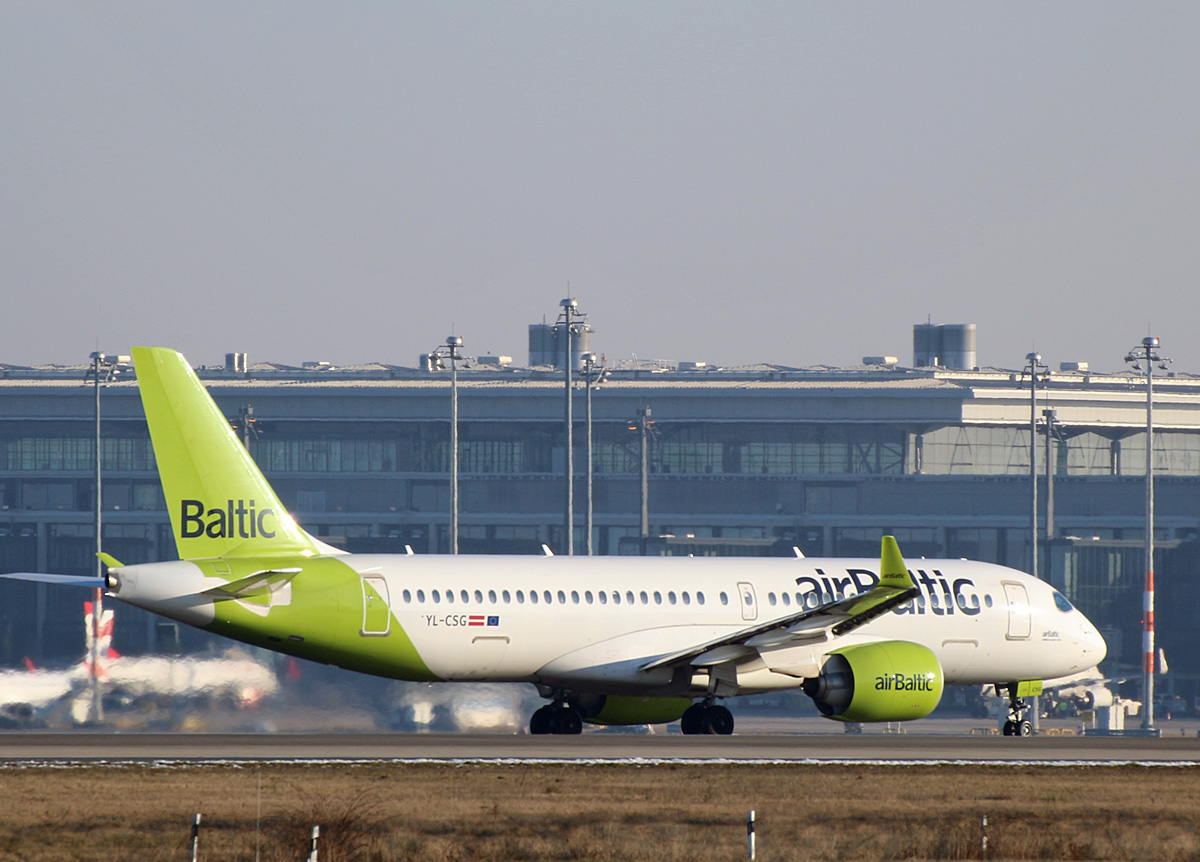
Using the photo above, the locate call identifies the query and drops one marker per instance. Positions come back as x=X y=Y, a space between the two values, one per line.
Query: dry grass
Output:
x=430 y=813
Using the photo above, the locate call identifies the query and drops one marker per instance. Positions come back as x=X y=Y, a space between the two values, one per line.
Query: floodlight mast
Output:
x=453 y=344
x=1034 y=366
x=589 y=366
x=451 y=348
x=570 y=321
x=102 y=369
x=1148 y=351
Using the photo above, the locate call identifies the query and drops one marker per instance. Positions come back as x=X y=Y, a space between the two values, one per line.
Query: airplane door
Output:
x=1019 y=625
x=749 y=605
x=377 y=615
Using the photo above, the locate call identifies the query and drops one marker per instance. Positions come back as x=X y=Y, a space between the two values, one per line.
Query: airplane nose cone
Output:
x=1094 y=647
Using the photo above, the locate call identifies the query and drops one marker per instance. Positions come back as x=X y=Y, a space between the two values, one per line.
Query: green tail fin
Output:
x=220 y=504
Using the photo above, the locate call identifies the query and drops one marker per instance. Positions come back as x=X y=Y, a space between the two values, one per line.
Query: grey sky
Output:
x=733 y=182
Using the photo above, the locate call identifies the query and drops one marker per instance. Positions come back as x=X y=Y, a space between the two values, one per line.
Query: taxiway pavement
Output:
x=25 y=747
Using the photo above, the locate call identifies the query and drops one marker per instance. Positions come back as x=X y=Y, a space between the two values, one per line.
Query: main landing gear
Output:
x=707 y=717
x=558 y=718
x=1017 y=724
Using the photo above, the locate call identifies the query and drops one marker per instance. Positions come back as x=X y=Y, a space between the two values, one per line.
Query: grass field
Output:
x=434 y=813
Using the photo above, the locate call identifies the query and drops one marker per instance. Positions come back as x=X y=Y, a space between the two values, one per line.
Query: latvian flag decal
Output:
x=481 y=620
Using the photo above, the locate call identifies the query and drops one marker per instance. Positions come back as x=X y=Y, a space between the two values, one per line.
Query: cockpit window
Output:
x=1060 y=602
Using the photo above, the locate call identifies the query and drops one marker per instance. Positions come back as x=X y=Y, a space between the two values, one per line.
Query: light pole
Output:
x=451 y=349
x=102 y=366
x=643 y=424
x=589 y=365
x=566 y=327
x=1033 y=366
x=1147 y=352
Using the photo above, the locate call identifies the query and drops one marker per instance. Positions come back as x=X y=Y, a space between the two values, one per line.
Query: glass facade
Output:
x=1004 y=451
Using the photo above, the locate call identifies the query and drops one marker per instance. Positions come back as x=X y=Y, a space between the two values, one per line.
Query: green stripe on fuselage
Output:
x=317 y=614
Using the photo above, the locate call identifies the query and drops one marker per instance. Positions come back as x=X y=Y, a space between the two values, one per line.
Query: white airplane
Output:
x=25 y=695
x=607 y=640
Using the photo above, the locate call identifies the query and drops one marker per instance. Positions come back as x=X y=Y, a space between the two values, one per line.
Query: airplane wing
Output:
x=895 y=587
x=62 y=580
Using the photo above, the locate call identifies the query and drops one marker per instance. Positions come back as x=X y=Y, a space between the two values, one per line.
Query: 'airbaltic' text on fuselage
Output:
x=939 y=594
x=238 y=520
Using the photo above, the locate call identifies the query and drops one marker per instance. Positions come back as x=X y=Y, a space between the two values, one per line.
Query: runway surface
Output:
x=43 y=747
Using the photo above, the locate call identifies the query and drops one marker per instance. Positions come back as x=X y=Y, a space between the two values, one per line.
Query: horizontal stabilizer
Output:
x=63 y=580
x=256 y=587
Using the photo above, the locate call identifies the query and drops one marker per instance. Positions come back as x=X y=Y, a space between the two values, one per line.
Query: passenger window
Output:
x=520 y=597
x=549 y=599
x=421 y=596
x=687 y=599
x=562 y=597
x=771 y=599
x=505 y=595
x=492 y=596
x=587 y=596
x=616 y=597
x=465 y=596
x=449 y=597
x=645 y=598
x=603 y=596
x=657 y=597
x=407 y=597
x=479 y=597
x=629 y=598
x=724 y=598
x=787 y=600
x=533 y=597
x=671 y=597
x=437 y=598
x=699 y=598
x=574 y=597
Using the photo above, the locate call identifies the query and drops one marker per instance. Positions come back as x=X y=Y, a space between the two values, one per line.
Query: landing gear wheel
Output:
x=692 y=720
x=556 y=718
x=1010 y=728
x=570 y=723
x=712 y=719
x=1025 y=728
x=718 y=720
x=542 y=720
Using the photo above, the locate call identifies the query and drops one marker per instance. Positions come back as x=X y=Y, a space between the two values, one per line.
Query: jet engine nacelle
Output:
x=886 y=681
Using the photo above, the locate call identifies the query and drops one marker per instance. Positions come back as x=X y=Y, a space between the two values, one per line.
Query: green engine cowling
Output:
x=886 y=681
x=624 y=709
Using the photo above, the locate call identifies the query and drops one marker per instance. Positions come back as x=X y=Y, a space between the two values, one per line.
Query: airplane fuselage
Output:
x=593 y=623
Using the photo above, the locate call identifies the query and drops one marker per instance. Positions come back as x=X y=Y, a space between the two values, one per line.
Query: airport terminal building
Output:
x=750 y=460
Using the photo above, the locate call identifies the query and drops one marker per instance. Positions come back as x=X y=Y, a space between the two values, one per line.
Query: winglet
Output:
x=892 y=570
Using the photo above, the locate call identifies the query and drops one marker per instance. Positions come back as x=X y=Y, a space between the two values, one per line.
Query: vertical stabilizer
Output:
x=220 y=504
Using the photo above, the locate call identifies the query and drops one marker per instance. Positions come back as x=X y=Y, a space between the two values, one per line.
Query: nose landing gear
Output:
x=1018 y=723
